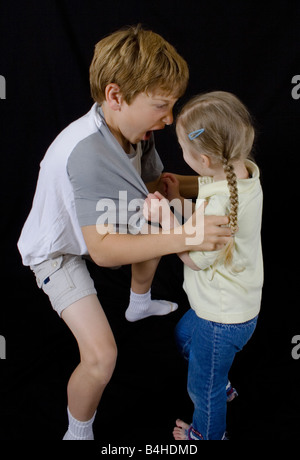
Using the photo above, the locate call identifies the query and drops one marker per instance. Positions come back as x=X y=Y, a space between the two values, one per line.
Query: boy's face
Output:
x=147 y=113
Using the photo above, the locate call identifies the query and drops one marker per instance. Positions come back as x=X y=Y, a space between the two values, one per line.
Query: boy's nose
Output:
x=168 y=119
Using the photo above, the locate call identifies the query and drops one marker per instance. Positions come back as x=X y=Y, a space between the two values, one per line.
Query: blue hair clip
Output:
x=195 y=134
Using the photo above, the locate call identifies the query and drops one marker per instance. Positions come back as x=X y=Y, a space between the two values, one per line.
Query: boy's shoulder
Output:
x=76 y=131
x=67 y=140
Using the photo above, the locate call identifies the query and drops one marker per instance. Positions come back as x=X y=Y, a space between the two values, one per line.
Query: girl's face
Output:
x=192 y=158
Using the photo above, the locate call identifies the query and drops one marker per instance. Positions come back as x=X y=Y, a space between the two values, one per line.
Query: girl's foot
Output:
x=185 y=432
x=231 y=392
x=180 y=431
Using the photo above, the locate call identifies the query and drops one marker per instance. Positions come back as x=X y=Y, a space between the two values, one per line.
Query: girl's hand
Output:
x=171 y=186
x=156 y=207
x=151 y=208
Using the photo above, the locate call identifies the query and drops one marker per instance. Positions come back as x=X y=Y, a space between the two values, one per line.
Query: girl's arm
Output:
x=187 y=185
x=156 y=209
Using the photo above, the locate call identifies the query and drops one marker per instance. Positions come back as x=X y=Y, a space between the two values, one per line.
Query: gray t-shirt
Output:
x=107 y=187
x=85 y=178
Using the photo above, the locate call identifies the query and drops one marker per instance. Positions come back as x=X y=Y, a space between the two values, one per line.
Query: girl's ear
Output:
x=113 y=96
x=206 y=161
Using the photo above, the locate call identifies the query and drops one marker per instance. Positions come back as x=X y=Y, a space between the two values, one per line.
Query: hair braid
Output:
x=234 y=198
x=226 y=255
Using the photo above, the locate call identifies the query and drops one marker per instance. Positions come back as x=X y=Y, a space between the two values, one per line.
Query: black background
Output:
x=250 y=48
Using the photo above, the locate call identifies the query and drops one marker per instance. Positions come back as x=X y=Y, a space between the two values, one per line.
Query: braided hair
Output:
x=218 y=125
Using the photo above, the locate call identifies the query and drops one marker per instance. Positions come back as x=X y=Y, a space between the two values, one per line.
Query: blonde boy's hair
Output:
x=137 y=61
x=227 y=135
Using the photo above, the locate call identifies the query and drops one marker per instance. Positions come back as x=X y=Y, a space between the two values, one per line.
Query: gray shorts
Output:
x=65 y=280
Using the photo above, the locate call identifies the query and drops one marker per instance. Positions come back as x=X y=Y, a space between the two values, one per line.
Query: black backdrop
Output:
x=250 y=48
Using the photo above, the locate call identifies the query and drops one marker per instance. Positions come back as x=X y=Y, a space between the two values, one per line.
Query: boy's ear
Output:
x=113 y=96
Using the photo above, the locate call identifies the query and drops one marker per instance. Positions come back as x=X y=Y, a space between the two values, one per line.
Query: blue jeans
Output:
x=210 y=349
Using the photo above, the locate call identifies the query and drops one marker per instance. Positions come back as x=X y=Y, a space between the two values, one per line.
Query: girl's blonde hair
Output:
x=227 y=135
x=138 y=61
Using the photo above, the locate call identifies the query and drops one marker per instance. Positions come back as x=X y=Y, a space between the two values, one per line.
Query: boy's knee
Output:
x=101 y=361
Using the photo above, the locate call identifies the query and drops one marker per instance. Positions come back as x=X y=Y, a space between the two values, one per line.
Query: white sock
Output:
x=141 y=306
x=79 y=431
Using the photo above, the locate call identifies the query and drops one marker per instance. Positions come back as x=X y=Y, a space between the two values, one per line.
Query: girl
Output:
x=224 y=287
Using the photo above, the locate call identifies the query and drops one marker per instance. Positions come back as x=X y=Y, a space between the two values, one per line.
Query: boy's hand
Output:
x=211 y=233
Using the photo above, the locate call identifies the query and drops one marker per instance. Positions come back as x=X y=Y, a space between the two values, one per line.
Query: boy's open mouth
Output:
x=147 y=136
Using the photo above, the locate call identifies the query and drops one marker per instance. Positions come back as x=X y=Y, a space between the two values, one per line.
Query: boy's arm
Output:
x=110 y=249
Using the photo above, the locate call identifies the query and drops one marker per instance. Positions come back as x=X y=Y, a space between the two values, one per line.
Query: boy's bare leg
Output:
x=142 y=275
x=141 y=305
x=98 y=353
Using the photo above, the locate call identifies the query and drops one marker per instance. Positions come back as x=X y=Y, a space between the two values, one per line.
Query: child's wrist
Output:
x=170 y=223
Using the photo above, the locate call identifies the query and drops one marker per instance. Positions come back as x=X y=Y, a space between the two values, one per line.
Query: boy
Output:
x=136 y=78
